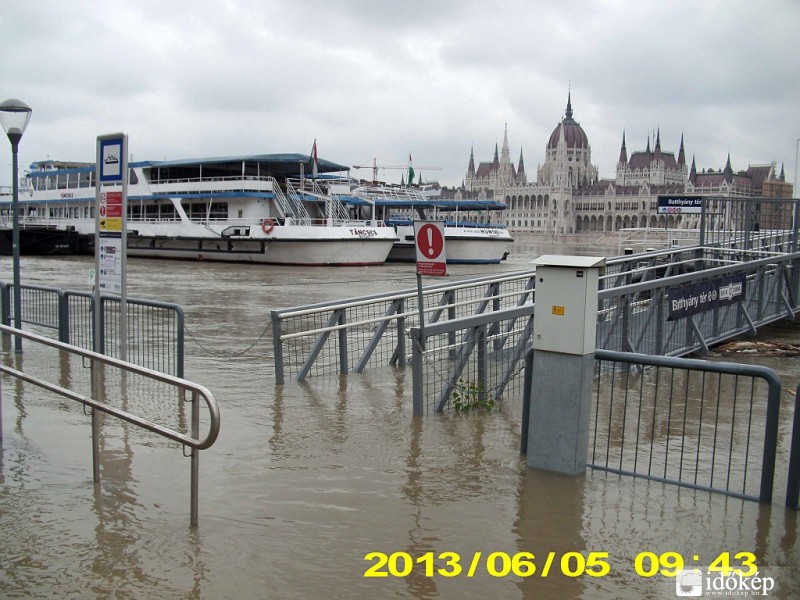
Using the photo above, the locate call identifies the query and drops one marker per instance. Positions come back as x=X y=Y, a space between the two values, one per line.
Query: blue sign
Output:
x=687 y=300
x=111 y=154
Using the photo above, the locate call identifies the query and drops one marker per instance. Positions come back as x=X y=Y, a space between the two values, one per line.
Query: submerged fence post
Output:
x=793 y=484
x=564 y=337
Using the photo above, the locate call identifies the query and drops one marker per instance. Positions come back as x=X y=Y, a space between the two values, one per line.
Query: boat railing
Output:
x=384 y=192
x=335 y=209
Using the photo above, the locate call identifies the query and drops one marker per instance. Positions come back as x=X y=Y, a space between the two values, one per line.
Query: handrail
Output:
x=193 y=441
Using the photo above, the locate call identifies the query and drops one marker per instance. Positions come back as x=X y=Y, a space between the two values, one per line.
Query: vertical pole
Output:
x=277 y=348
x=195 y=476
x=793 y=484
x=95 y=376
x=421 y=305
x=344 y=367
x=416 y=374
x=15 y=240
x=401 y=333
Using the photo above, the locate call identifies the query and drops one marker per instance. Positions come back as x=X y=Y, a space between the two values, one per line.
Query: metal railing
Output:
x=706 y=425
x=484 y=352
x=369 y=331
x=155 y=336
x=372 y=331
x=635 y=317
x=793 y=483
x=109 y=380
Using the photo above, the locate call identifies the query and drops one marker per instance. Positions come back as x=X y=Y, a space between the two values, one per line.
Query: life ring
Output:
x=267 y=225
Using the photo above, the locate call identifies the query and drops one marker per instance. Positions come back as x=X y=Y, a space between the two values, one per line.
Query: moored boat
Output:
x=470 y=235
x=256 y=208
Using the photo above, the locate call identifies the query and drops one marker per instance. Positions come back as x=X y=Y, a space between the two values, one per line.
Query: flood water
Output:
x=305 y=480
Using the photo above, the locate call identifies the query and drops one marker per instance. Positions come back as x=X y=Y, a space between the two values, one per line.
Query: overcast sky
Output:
x=379 y=79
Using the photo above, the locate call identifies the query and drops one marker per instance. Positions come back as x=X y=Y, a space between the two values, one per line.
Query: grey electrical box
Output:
x=566 y=303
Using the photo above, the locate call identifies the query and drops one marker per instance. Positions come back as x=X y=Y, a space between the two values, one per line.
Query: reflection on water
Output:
x=307 y=479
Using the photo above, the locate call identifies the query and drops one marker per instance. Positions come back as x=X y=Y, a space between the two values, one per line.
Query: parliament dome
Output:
x=574 y=135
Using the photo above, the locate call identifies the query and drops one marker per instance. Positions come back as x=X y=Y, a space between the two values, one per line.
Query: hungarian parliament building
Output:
x=568 y=196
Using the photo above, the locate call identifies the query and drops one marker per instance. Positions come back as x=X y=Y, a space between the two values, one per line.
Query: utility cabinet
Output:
x=565 y=320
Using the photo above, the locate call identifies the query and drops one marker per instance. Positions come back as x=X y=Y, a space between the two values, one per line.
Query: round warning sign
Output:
x=430 y=241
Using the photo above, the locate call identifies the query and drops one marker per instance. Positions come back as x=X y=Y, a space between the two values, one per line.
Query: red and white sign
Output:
x=429 y=241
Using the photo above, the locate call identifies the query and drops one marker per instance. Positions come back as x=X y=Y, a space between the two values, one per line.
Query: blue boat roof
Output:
x=284 y=165
x=447 y=204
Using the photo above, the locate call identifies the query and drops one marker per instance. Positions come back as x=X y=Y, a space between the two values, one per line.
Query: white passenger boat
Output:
x=470 y=235
x=258 y=208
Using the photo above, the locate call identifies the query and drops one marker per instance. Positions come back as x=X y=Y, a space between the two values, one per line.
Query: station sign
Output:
x=429 y=242
x=676 y=205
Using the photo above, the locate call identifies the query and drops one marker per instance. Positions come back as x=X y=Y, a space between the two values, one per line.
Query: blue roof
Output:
x=286 y=164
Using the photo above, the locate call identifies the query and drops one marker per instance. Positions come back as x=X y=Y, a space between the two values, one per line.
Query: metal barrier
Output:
x=793 y=484
x=328 y=338
x=155 y=336
x=634 y=317
x=483 y=353
x=689 y=422
x=474 y=358
x=110 y=379
x=372 y=330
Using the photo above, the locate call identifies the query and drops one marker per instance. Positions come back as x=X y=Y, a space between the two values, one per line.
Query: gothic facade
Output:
x=569 y=197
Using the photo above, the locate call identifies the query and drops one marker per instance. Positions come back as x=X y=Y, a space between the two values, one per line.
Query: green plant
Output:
x=468 y=395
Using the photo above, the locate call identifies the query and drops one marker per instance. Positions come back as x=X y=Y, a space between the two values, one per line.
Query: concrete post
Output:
x=564 y=336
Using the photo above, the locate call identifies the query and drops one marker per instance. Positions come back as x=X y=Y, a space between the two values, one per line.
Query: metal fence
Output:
x=793 y=483
x=143 y=397
x=700 y=424
x=155 y=330
x=483 y=354
x=746 y=223
x=359 y=333
x=635 y=317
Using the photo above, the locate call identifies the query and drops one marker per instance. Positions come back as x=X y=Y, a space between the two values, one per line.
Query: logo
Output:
x=689 y=583
x=698 y=584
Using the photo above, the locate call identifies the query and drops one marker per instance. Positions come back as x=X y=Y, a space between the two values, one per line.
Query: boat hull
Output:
x=288 y=245
x=310 y=252
x=462 y=245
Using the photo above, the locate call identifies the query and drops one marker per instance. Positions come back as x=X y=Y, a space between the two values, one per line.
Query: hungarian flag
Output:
x=410 y=171
x=314 y=165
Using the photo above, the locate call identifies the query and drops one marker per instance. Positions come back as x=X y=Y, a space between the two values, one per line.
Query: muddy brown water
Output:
x=306 y=480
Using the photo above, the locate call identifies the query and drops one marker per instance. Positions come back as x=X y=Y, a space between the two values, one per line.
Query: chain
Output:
x=200 y=345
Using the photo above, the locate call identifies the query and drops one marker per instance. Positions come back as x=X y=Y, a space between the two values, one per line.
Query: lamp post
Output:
x=14 y=116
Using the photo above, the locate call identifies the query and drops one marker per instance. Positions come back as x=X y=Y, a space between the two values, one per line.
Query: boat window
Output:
x=85 y=179
x=167 y=212
x=219 y=210
x=133 y=178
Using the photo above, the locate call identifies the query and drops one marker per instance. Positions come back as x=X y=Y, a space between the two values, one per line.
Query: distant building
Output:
x=568 y=196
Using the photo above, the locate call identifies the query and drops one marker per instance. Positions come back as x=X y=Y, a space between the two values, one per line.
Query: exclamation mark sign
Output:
x=429 y=231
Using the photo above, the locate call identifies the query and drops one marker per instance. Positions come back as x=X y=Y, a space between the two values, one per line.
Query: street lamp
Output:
x=14 y=116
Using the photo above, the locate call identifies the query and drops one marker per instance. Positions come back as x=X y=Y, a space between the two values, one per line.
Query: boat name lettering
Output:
x=363 y=232
x=67 y=195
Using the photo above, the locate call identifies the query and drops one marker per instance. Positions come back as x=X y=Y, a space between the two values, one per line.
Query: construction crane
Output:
x=375 y=166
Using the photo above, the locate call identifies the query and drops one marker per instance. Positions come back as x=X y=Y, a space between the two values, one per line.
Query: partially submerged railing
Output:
x=155 y=336
x=706 y=425
x=483 y=352
x=361 y=332
x=107 y=374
